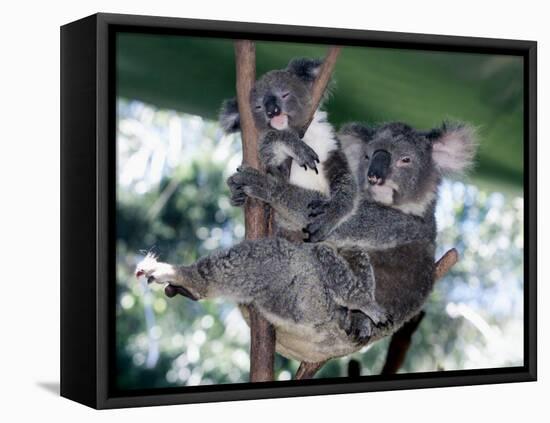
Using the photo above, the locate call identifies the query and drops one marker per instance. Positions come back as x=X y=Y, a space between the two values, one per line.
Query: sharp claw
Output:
x=305 y=167
x=315 y=169
x=318 y=161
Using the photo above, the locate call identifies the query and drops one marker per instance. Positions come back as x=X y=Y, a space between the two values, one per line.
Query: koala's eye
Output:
x=405 y=160
x=285 y=95
x=258 y=107
x=367 y=157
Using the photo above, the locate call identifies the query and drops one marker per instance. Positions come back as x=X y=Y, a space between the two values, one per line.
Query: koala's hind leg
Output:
x=350 y=279
x=362 y=295
x=245 y=273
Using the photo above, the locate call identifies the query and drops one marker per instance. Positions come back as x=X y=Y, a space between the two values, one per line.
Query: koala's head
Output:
x=401 y=167
x=280 y=99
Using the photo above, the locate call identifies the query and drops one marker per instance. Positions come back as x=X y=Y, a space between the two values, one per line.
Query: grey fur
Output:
x=311 y=292
x=289 y=90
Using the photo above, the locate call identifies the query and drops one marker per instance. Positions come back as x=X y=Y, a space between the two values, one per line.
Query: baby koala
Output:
x=281 y=103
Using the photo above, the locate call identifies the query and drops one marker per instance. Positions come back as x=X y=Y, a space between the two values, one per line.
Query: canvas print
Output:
x=395 y=210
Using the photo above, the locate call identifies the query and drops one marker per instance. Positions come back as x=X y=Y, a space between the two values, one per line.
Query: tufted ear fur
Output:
x=305 y=69
x=355 y=132
x=453 y=147
x=229 y=117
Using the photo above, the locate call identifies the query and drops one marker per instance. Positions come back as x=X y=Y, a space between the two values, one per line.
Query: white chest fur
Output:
x=320 y=137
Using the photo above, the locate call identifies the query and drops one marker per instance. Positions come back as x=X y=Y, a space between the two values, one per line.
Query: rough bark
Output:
x=262 y=342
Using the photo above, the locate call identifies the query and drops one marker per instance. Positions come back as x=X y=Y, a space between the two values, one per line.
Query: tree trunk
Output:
x=262 y=334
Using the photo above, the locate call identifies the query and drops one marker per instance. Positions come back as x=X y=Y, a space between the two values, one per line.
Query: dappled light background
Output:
x=171 y=196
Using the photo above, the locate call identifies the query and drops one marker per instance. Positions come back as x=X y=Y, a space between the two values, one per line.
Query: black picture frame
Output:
x=88 y=119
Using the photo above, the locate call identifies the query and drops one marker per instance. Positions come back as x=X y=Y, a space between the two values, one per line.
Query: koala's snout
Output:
x=379 y=167
x=272 y=107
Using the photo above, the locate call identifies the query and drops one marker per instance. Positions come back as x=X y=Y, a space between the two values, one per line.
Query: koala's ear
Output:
x=305 y=69
x=353 y=138
x=453 y=147
x=355 y=133
x=229 y=117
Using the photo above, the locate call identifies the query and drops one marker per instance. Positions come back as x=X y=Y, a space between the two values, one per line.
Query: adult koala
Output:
x=311 y=292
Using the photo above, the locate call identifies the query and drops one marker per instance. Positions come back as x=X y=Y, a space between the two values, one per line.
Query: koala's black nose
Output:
x=378 y=167
x=272 y=109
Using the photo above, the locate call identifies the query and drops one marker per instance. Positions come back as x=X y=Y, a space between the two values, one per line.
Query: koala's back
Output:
x=404 y=278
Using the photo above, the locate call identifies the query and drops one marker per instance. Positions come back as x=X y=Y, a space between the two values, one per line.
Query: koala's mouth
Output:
x=384 y=193
x=279 y=122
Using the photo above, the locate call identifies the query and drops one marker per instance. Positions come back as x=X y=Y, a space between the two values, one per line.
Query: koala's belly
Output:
x=304 y=342
x=314 y=347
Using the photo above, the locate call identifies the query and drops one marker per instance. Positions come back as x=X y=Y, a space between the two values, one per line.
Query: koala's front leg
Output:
x=289 y=201
x=361 y=295
x=277 y=146
x=249 y=182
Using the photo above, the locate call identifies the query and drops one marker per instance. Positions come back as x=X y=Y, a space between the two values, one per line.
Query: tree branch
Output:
x=400 y=344
x=321 y=82
x=262 y=342
x=308 y=370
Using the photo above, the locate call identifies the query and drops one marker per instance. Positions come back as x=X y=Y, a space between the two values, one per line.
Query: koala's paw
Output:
x=247 y=182
x=318 y=229
x=238 y=194
x=356 y=325
x=155 y=271
x=317 y=207
x=305 y=156
x=379 y=316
